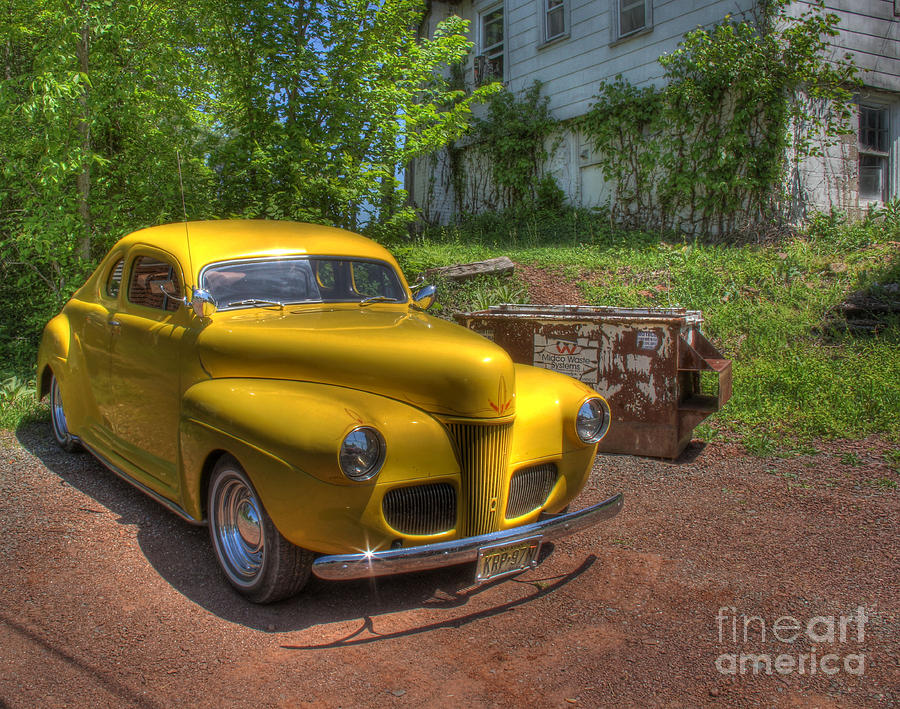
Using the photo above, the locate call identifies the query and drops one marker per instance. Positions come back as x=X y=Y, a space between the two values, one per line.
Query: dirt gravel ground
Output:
x=109 y=600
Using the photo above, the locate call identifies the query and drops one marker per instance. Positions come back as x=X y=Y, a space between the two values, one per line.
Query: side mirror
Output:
x=202 y=303
x=166 y=287
x=424 y=299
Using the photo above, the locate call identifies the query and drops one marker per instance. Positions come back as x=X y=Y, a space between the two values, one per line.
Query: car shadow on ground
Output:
x=182 y=555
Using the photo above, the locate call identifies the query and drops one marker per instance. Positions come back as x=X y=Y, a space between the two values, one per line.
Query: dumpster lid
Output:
x=689 y=317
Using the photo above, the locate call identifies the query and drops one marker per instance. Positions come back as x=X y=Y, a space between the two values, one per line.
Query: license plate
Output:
x=506 y=558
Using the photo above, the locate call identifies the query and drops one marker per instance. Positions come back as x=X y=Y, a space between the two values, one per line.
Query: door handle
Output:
x=115 y=324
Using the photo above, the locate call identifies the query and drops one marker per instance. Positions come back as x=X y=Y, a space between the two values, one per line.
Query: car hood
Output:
x=409 y=356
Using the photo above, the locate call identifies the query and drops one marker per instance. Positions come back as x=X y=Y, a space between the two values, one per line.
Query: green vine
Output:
x=743 y=104
x=511 y=144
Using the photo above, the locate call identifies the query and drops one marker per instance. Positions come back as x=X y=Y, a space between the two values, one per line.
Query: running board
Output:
x=165 y=502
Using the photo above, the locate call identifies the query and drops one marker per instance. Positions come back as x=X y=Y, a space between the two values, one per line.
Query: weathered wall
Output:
x=572 y=68
x=870 y=31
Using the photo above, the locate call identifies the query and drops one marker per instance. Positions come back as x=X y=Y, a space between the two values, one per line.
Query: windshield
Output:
x=286 y=281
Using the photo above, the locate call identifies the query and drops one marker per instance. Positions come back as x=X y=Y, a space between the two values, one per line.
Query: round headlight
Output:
x=362 y=453
x=592 y=421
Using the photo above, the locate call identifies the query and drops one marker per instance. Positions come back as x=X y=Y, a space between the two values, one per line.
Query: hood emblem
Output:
x=504 y=401
x=353 y=415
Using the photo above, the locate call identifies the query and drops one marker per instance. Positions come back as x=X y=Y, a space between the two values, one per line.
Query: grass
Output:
x=882 y=483
x=477 y=294
x=892 y=458
x=18 y=404
x=764 y=306
x=851 y=459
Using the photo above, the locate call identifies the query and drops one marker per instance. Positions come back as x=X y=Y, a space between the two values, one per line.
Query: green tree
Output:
x=278 y=108
x=321 y=104
x=95 y=100
x=512 y=138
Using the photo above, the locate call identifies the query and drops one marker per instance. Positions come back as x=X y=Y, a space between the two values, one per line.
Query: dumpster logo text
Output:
x=647 y=340
x=576 y=357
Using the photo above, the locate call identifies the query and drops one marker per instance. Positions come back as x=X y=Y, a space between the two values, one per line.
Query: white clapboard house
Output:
x=571 y=46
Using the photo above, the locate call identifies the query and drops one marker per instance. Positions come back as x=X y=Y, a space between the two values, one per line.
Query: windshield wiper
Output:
x=256 y=301
x=377 y=299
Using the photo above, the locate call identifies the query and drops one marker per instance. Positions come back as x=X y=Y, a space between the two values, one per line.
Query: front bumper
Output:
x=340 y=567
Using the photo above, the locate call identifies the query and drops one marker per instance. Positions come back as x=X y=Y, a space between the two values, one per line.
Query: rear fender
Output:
x=52 y=353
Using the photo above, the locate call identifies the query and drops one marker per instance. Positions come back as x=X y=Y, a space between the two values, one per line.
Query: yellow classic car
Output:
x=282 y=383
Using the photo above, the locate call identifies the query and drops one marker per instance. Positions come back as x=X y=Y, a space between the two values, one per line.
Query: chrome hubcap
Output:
x=238 y=529
x=57 y=414
x=248 y=525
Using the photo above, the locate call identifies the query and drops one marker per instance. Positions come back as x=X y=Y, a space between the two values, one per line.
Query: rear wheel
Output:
x=66 y=440
x=256 y=559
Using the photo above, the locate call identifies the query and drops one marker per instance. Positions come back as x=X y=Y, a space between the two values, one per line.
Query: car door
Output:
x=145 y=367
x=97 y=323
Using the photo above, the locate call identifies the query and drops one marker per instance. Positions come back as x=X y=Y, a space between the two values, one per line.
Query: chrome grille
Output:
x=482 y=451
x=423 y=509
x=529 y=489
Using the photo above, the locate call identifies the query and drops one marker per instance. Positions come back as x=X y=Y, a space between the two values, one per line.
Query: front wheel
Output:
x=260 y=563
x=66 y=440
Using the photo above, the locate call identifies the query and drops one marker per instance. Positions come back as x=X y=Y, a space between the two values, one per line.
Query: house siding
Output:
x=572 y=68
x=869 y=30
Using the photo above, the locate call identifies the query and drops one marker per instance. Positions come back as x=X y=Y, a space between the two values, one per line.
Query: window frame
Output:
x=545 y=10
x=879 y=152
x=402 y=288
x=116 y=259
x=485 y=51
x=174 y=274
x=616 y=10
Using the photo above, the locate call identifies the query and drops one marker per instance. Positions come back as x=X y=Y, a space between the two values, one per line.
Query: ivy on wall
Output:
x=501 y=163
x=717 y=148
x=513 y=138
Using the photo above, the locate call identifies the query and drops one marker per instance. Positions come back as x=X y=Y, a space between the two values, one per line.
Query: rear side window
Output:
x=154 y=284
x=114 y=281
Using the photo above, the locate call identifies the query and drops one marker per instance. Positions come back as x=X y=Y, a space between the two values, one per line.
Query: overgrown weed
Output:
x=764 y=306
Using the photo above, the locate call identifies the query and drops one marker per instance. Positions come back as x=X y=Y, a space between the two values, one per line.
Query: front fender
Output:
x=547 y=405
x=286 y=435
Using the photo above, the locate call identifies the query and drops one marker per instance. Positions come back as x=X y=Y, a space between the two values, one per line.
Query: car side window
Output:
x=375 y=279
x=114 y=280
x=153 y=284
x=326 y=275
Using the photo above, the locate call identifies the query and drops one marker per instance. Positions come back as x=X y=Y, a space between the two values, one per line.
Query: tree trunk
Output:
x=7 y=63
x=84 y=131
x=302 y=18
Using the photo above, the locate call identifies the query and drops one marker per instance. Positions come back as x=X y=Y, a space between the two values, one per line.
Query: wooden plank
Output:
x=462 y=272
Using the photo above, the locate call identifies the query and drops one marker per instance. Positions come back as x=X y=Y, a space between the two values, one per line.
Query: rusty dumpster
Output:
x=658 y=372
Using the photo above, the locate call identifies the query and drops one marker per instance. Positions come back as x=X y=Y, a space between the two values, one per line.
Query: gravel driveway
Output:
x=109 y=600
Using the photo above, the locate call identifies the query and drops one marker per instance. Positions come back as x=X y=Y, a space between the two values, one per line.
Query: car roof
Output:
x=227 y=239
